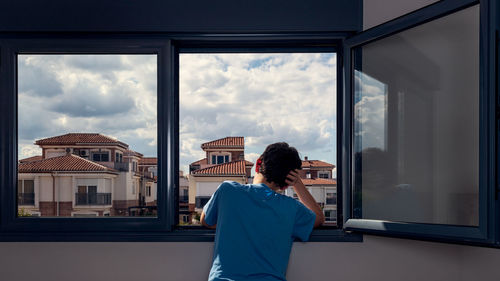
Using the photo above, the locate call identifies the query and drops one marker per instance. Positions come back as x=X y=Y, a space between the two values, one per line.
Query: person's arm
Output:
x=204 y=223
x=305 y=197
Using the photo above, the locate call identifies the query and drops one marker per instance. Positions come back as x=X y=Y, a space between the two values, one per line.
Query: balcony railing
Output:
x=122 y=167
x=26 y=198
x=93 y=198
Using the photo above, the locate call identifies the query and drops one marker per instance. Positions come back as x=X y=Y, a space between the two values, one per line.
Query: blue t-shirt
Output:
x=255 y=231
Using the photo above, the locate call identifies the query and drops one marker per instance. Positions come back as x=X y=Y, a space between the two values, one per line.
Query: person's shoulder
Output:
x=290 y=200
x=230 y=185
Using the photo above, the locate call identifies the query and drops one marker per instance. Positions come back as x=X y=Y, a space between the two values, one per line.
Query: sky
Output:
x=263 y=97
x=114 y=95
x=370 y=112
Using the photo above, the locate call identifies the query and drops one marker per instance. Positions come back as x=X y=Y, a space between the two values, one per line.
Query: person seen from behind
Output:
x=255 y=225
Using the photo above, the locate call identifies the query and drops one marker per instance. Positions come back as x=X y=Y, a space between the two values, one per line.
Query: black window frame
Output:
x=307 y=43
x=165 y=226
x=487 y=233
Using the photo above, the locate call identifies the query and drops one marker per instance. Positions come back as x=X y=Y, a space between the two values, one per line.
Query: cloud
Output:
x=370 y=111
x=264 y=97
x=36 y=78
x=88 y=99
x=110 y=94
x=100 y=63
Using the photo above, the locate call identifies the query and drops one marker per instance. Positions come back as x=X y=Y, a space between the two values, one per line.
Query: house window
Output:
x=118 y=157
x=330 y=216
x=100 y=156
x=323 y=174
x=26 y=192
x=201 y=201
x=148 y=191
x=88 y=195
x=219 y=159
x=331 y=197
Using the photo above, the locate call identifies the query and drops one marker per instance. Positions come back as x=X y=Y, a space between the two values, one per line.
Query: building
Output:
x=317 y=177
x=225 y=160
x=148 y=168
x=84 y=174
x=185 y=216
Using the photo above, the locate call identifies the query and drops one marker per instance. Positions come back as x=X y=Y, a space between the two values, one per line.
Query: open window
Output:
x=233 y=102
x=420 y=127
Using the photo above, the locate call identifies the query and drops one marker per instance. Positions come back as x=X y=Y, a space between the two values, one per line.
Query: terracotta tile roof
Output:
x=200 y=162
x=66 y=163
x=316 y=164
x=148 y=161
x=204 y=162
x=227 y=142
x=129 y=152
x=80 y=139
x=236 y=168
x=31 y=159
x=319 y=181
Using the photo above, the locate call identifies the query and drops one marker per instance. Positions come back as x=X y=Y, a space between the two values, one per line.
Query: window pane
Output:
x=233 y=105
x=29 y=186
x=88 y=134
x=416 y=119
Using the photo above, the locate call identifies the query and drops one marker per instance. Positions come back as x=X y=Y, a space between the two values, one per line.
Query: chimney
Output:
x=305 y=158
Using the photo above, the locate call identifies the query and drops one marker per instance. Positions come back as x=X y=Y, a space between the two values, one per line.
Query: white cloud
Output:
x=370 y=111
x=264 y=97
x=110 y=94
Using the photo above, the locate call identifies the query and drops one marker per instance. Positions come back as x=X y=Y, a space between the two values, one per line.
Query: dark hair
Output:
x=277 y=161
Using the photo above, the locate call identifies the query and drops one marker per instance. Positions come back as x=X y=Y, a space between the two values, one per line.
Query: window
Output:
x=26 y=192
x=118 y=157
x=18 y=119
x=324 y=174
x=77 y=107
x=232 y=105
x=220 y=158
x=100 y=156
x=331 y=197
x=330 y=216
x=421 y=116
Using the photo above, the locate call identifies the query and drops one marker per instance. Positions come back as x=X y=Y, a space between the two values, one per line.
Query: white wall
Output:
x=376 y=259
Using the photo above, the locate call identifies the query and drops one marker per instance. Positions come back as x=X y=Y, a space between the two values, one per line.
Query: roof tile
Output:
x=66 y=163
x=227 y=142
x=231 y=168
x=31 y=159
x=316 y=163
x=80 y=138
x=148 y=161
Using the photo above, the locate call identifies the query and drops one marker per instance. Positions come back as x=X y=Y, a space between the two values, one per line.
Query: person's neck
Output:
x=259 y=178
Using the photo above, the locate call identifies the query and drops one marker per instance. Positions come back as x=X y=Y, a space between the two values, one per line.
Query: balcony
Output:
x=122 y=167
x=92 y=199
x=26 y=198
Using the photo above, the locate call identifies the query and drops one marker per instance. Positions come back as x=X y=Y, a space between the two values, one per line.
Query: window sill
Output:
x=183 y=234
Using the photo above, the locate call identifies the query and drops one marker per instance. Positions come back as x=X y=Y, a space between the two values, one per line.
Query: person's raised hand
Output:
x=293 y=178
